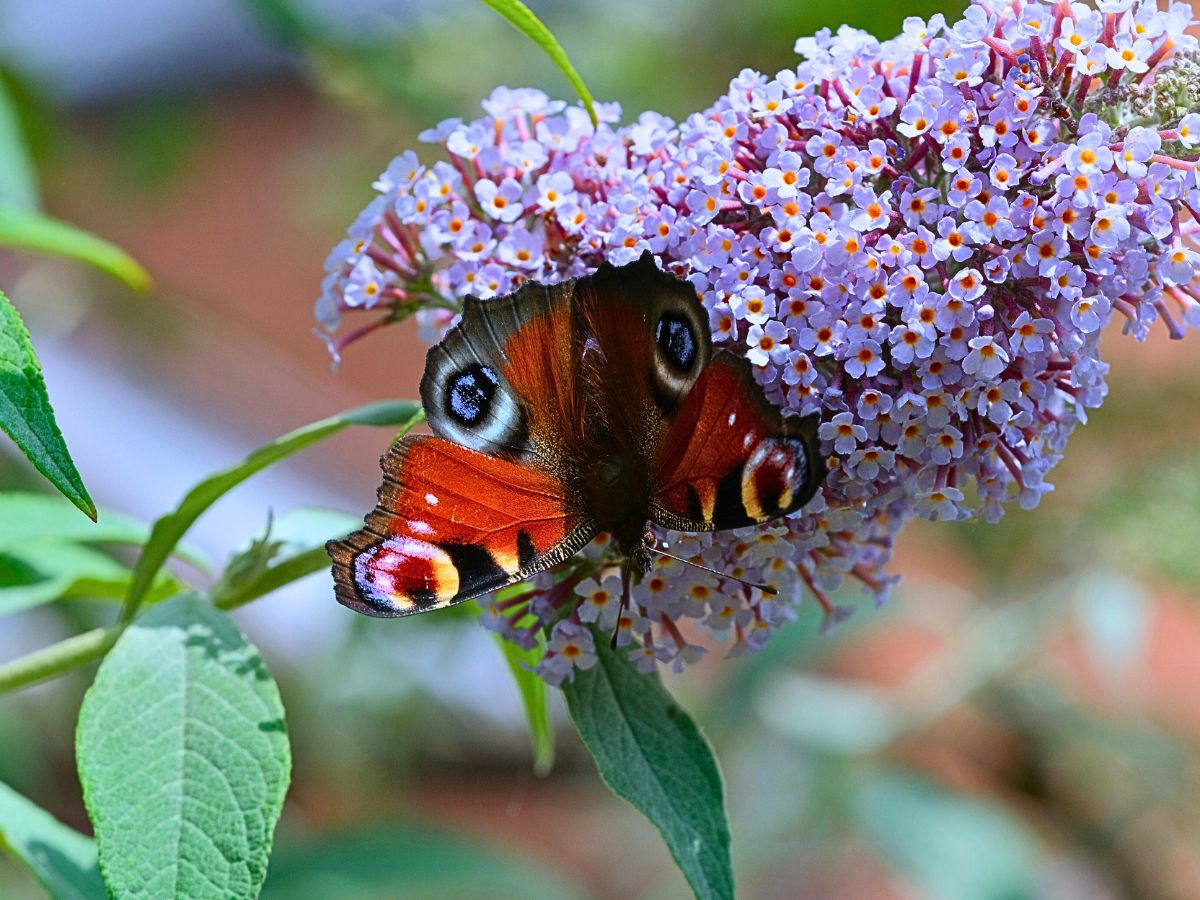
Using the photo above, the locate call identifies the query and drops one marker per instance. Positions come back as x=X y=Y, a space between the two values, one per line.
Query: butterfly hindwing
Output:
x=730 y=458
x=452 y=524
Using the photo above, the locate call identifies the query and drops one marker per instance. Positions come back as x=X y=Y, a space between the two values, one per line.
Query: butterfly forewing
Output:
x=730 y=459
x=645 y=337
x=452 y=524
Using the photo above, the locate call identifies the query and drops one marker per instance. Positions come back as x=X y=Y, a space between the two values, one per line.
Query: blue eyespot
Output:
x=676 y=340
x=470 y=394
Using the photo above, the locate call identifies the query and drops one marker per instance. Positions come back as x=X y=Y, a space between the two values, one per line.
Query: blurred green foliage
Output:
x=992 y=768
x=675 y=58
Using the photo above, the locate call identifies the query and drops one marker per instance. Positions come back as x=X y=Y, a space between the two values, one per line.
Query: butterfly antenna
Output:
x=626 y=585
x=765 y=588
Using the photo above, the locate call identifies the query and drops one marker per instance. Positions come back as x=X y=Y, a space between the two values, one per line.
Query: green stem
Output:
x=60 y=658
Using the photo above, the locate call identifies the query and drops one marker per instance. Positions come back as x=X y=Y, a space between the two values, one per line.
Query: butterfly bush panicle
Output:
x=920 y=239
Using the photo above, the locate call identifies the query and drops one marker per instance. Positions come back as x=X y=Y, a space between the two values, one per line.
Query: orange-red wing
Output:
x=730 y=459
x=452 y=524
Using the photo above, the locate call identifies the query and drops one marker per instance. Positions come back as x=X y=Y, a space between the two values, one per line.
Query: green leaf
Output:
x=535 y=697
x=46 y=571
x=523 y=19
x=285 y=21
x=948 y=844
x=60 y=858
x=18 y=177
x=410 y=860
x=170 y=528
x=25 y=412
x=26 y=517
x=183 y=757
x=292 y=548
x=650 y=752
x=31 y=230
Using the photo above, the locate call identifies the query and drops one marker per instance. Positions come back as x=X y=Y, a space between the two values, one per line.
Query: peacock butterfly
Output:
x=561 y=411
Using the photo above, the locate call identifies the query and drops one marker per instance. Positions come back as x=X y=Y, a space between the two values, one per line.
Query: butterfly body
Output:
x=559 y=412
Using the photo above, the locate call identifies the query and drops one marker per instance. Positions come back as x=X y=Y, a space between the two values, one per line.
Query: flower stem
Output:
x=60 y=658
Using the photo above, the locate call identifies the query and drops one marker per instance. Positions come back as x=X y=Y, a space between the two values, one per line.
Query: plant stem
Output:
x=60 y=658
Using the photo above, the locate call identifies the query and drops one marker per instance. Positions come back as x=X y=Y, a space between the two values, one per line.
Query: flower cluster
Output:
x=919 y=239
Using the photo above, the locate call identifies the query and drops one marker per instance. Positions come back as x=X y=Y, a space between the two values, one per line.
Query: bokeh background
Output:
x=1023 y=720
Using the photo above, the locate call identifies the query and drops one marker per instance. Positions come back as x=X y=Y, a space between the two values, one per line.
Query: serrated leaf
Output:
x=409 y=860
x=522 y=18
x=28 y=229
x=60 y=858
x=183 y=756
x=170 y=528
x=25 y=412
x=18 y=178
x=651 y=753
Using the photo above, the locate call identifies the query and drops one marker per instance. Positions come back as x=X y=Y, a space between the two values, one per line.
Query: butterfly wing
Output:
x=452 y=524
x=552 y=374
x=647 y=341
x=730 y=458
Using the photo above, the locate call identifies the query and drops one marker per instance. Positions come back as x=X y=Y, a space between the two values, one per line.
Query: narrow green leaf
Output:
x=18 y=177
x=523 y=19
x=170 y=528
x=26 y=517
x=407 y=860
x=651 y=753
x=25 y=412
x=60 y=858
x=536 y=699
x=31 y=230
x=45 y=571
x=183 y=757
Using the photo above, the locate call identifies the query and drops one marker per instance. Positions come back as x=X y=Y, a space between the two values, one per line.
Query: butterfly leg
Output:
x=626 y=590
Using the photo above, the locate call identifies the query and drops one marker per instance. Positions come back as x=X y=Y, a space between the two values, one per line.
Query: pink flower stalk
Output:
x=919 y=239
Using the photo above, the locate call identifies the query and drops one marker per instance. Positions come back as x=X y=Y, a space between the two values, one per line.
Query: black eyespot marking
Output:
x=676 y=340
x=470 y=394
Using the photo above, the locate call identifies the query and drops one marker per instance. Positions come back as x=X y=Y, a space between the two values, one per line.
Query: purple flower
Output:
x=924 y=260
x=501 y=201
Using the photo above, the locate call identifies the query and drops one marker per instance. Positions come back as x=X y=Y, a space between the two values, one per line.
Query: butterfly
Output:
x=561 y=411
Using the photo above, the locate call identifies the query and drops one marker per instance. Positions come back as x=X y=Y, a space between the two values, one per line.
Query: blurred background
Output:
x=1023 y=720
